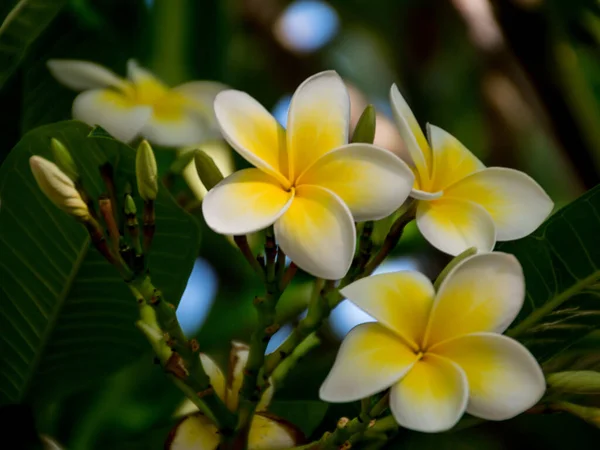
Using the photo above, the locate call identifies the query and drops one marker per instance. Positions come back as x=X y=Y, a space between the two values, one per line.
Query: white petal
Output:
x=432 y=397
x=317 y=233
x=112 y=111
x=82 y=75
x=195 y=432
x=183 y=128
x=453 y=225
x=216 y=377
x=370 y=359
x=203 y=94
x=422 y=195
x=245 y=202
x=484 y=292
x=517 y=204
x=318 y=120
x=373 y=182
x=504 y=378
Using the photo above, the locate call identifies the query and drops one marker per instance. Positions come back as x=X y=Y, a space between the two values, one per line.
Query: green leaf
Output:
x=21 y=27
x=67 y=318
x=306 y=415
x=561 y=262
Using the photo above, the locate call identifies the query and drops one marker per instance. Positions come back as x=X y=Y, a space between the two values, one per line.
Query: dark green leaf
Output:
x=67 y=318
x=561 y=261
x=306 y=415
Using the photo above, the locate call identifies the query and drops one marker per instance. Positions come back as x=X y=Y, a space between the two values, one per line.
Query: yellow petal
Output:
x=432 y=397
x=452 y=161
x=504 y=378
x=173 y=126
x=370 y=359
x=195 y=432
x=401 y=301
x=272 y=433
x=217 y=379
x=82 y=75
x=412 y=136
x=516 y=203
x=482 y=293
x=201 y=97
x=318 y=120
x=253 y=132
x=245 y=202
x=317 y=233
x=373 y=182
x=113 y=111
x=148 y=88
x=453 y=225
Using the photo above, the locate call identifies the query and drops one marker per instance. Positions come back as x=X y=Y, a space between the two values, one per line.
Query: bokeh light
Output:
x=197 y=298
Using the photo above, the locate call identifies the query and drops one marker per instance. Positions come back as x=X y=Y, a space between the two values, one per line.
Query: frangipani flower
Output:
x=440 y=353
x=462 y=203
x=140 y=105
x=267 y=432
x=309 y=182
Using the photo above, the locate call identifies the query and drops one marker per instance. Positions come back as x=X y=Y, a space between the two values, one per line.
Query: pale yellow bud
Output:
x=146 y=172
x=59 y=188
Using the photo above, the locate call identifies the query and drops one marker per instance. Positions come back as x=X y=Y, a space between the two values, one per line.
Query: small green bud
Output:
x=63 y=159
x=146 y=172
x=575 y=381
x=130 y=209
x=209 y=173
x=588 y=413
x=182 y=161
x=365 y=128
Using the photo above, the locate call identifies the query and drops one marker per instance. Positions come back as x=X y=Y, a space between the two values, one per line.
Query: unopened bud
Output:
x=146 y=172
x=59 y=188
x=130 y=208
x=588 y=413
x=209 y=173
x=63 y=159
x=575 y=382
x=365 y=127
x=182 y=161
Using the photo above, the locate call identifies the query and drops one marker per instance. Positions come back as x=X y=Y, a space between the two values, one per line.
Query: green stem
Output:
x=242 y=243
x=284 y=368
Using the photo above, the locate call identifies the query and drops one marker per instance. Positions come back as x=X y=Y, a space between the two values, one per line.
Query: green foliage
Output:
x=561 y=261
x=67 y=316
x=306 y=415
x=27 y=20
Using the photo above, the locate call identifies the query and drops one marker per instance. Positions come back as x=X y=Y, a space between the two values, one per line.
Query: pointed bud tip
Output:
x=365 y=127
x=63 y=159
x=209 y=173
x=146 y=172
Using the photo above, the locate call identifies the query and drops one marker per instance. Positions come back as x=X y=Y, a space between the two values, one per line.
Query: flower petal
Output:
x=194 y=432
x=482 y=293
x=201 y=95
x=253 y=132
x=401 y=301
x=517 y=204
x=453 y=225
x=373 y=182
x=318 y=120
x=216 y=377
x=452 y=161
x=504 y=378
x=148 y=88
x=244 y=202
x=370 y=359
x=422 y=195
x=432 y=397
x=83 y=75
x=317 y=233
x=175 y=128
x=112 y=111
x=412 y=136
x=269 y=432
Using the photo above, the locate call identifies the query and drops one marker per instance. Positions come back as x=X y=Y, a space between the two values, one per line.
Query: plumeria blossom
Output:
x=440 y=353
x=461 y=203
x=140 y=105
x=308 y=181
x=197 y=431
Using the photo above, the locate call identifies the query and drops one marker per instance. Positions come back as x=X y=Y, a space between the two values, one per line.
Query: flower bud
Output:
x=59 y=188
x=575 y=382
x=365 y=128
x=181 y=162
x=63 y=159
x=209 y=173
x=129 y=208
x=146 y=172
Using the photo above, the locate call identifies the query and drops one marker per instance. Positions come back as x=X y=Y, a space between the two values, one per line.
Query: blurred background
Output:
x=517 y=81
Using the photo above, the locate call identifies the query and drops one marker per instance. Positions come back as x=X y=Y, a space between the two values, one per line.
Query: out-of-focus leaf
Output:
x=561 y=261
x=306 y=415
x=21 y=27
x=67 y=318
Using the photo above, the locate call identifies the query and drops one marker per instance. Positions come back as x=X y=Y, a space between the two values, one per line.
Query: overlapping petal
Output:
x=516 y=203
x=318 y=120
x=452 y=161
x=482 y=293
x=148 y=88
x=317 y=232
x=253 y=132
x=431 y=397
x=401 y=301
x=454 y=225
x=244 y=202
x=504 y=378
x=370 y=359
x=82 y=75
x=372 y=181
x=112 y=111
x=201 y=97
x=174 y=128
x=216 y=377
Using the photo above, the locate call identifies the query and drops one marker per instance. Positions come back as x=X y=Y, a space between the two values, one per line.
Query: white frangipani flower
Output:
x=461 y=203
x=440 y=353
x=308 y=181
x=140 y=105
